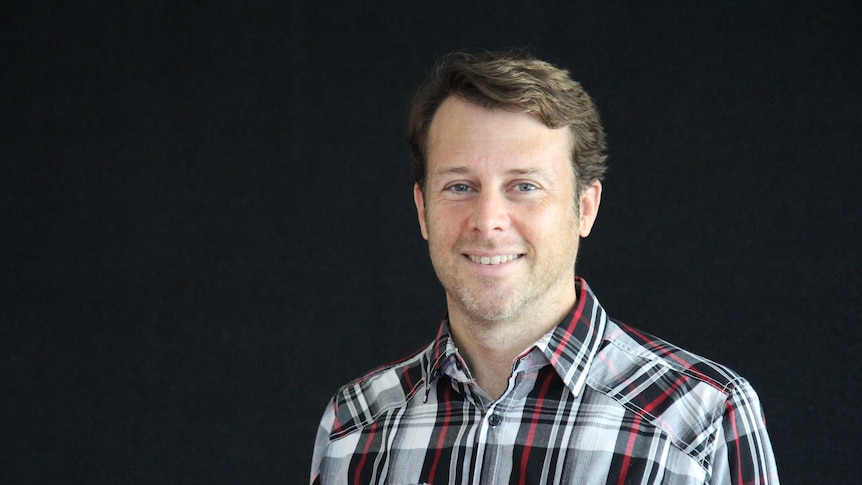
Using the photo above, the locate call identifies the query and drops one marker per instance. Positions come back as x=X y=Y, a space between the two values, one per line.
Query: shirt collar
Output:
x=569 y=347
x=575 y=341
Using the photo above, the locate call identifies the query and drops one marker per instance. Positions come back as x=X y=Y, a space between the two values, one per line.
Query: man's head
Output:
x=498 y=197
x=512 y=81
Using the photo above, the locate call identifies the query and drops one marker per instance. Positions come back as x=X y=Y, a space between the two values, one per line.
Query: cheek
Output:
x=443 y=223
x=443 y=233
x=554 y=227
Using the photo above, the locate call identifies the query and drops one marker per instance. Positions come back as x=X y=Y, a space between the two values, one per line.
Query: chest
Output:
x=544 y=436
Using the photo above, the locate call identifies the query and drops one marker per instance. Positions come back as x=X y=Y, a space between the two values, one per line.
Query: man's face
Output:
x=500 y=212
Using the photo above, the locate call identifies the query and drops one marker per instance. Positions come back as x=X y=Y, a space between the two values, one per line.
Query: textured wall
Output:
x=207 y=223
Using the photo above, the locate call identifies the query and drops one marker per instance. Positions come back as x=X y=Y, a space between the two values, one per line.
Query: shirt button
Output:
x=495 y=419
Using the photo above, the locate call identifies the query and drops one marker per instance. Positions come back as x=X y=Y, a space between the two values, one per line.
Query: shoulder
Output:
x=680 y=392
x=669 y=357
x=360 y=402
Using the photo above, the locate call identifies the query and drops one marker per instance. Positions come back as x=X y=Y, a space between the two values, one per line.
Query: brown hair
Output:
x=514 y=81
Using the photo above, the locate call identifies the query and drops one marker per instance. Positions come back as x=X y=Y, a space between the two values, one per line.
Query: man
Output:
x=529 y=381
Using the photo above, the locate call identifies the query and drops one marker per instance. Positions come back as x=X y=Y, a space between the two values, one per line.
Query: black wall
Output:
x=207 y=223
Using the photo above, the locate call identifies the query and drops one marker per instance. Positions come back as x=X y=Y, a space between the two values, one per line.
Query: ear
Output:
x=419 y=200
x=591 y=197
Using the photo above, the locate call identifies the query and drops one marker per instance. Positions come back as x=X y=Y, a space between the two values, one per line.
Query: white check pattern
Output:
x=593 y=402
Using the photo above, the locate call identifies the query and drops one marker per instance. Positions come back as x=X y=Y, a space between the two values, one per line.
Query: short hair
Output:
x=518 y=82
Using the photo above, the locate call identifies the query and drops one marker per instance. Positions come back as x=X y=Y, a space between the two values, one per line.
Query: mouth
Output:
x=493 y=260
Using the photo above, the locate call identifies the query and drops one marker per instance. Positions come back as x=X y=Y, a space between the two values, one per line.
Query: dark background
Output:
x=207 y=223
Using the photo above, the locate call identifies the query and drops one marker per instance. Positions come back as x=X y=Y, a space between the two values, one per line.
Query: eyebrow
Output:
x=460 y=170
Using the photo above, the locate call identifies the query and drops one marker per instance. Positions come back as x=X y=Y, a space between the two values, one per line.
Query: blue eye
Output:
x=525 y=187
x=459 y=187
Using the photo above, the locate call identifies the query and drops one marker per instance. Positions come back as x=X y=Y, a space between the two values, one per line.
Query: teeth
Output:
x=494 y=259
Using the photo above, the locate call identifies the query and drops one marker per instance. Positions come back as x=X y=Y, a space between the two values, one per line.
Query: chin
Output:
x=490 y=315
x=483 y=309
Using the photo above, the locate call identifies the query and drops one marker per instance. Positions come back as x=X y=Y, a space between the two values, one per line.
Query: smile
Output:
x=494 y=259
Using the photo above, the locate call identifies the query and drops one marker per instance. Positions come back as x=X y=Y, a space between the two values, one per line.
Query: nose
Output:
x=490 y=213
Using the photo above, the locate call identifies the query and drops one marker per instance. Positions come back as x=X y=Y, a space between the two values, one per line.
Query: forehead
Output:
x=465 y=133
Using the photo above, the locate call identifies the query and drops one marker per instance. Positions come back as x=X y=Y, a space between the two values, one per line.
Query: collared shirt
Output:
x=593 y=402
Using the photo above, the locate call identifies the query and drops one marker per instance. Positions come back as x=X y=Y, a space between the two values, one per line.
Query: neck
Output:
x=491 y=347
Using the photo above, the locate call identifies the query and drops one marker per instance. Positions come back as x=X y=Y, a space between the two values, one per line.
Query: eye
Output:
x=458 y=188
x=525 y=187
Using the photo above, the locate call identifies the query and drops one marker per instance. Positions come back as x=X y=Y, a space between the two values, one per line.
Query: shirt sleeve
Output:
x=744 y=455
x=322 y=442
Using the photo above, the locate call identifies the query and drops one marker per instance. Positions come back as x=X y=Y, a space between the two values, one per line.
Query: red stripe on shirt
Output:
x=534 y=423
x=336 y=425
x=405 y=374
x=657 y=401
x=357 y=474
x=444 y=427
x=675 y=357
x=630 y=446
x=582 y=301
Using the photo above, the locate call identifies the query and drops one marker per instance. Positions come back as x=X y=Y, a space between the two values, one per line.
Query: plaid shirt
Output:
x=593 y=402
